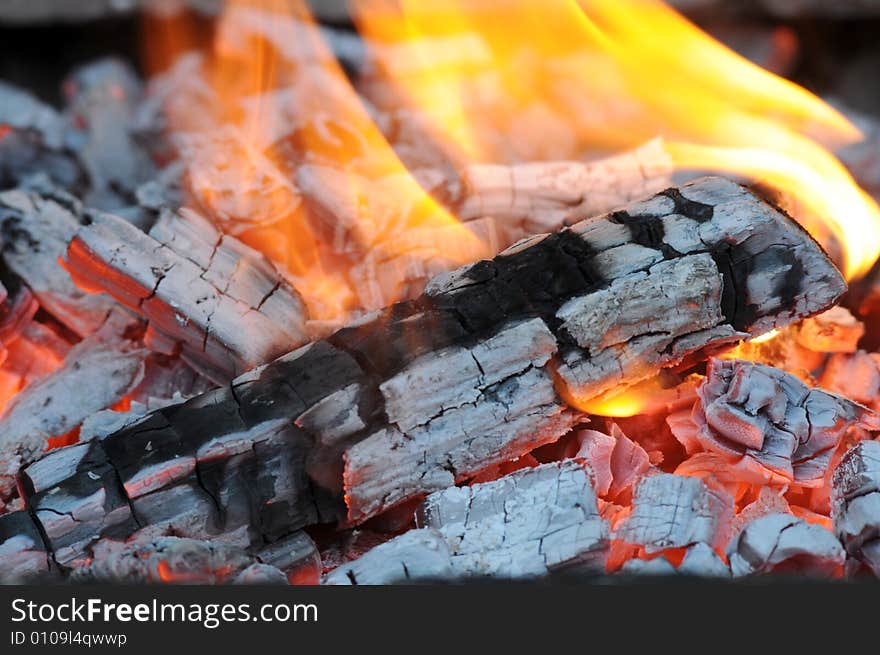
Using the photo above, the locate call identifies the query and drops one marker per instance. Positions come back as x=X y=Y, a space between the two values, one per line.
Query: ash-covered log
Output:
x=780 y=542
x=770 y=421
x=223 y=305
x=855 y=506
x=524 y=524
x=370 y=414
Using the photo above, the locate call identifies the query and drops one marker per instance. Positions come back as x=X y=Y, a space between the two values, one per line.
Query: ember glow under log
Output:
x=429 y=392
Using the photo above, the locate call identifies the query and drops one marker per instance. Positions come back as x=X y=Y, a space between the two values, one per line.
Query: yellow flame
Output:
x=767 y=336
x=610 y=74
x=290 y=117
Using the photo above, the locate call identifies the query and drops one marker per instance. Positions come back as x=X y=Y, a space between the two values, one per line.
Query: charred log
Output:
x=223 y=305
x=369 y=414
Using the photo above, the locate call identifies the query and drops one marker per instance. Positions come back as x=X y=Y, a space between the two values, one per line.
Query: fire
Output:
x=561 y=79
x=292 y=120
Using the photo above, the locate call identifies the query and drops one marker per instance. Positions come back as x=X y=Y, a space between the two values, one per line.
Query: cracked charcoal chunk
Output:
x=673 y=511
x=773 y=420
x=524 y=524
x=855 y=503
x=222 y=304
x=368 y=417
x=34 y=232
x=165 y=560
x=414 y=555
x=771 y=542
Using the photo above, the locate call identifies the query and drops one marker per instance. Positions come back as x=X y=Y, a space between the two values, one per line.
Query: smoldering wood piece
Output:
x=616 y=462
x=96 y=374
x=102 y=97
x=296 y=555
x=543 y=196
x=700 y=560
x=221 y=303
x=771 y=420
x=853 y=375
x=772 y=542
x=34 y=141
x=414 y=555
x=16 y=313
x=312 y=428
x=35 y=231
x=506 y=419
x=228 y=465
x=22 y=550
x=261 y=574
x=524 y=524
x=611 y=272
x=166 y=560
x=673 y=511
x=855 y=503
x=709 y=245
x=832 y=331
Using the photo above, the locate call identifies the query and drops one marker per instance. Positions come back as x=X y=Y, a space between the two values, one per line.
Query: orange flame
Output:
x=290 y=120
x=612 y=74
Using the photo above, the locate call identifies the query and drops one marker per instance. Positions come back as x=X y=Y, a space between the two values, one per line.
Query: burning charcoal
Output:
x=672 y=511
x=773 y=420
x=776 y=541
x=524 y=524
x=296 y=556
x=368 y=416
x=169 y=559
x=35 y=231
x=619 y=466
x=700 y=560
x=15 y=314
x=260 y=574
x=97 y=373
x=855 y=376
x=102 y=97
x=833 y=331
x=223 y=304
x=414 y=555
x=33 y=140
x=855 y=506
